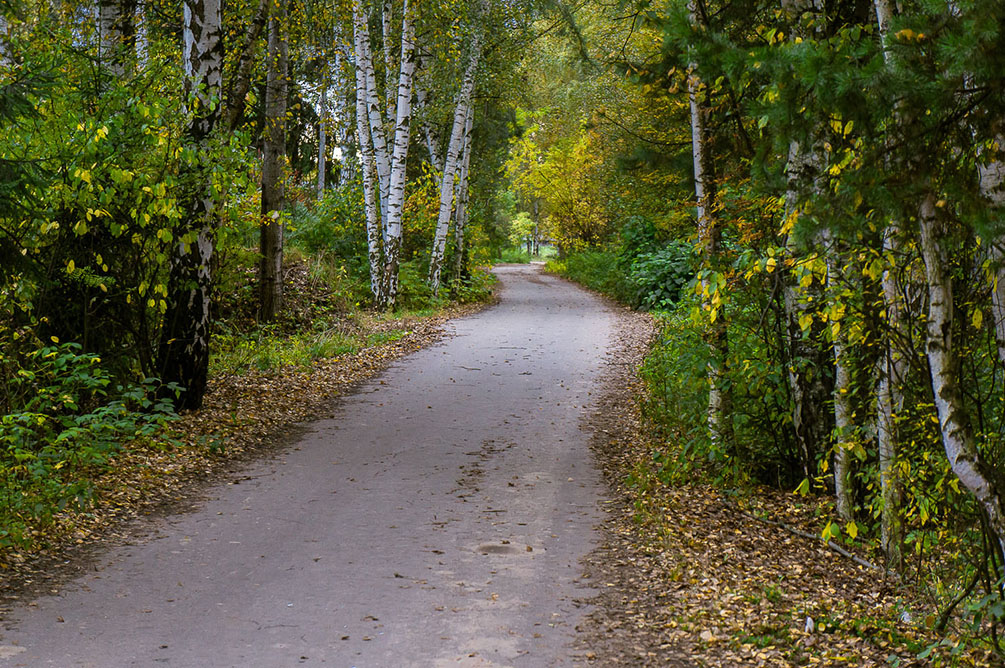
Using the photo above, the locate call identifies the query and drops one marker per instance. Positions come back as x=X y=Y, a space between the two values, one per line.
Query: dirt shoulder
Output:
x=690 y=577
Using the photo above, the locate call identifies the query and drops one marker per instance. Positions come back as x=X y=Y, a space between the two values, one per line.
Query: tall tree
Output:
x=710 y=239
x=463 y=195
x=808 y=368
x=390 y=169
x=452 y=159
x=270 y=270
x=399 y=159
x=184 y=346
x=893 y=365
x=117 y=34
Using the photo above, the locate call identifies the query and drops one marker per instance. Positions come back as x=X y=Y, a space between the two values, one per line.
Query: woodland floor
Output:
x=688 y=578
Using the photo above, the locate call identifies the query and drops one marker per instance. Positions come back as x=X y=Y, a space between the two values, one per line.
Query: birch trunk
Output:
x=807 y=361
x=844 y=426
x=364 y=59
x=322 y=139
x=893 y=370
x=342 y=119
x=992 y=185
x=450 y=165
x=958 y=440
x=270 y=270
x=368 y=167
x=240 y=83
x=719 y=411
x=116 y=34
x=183 y=355
x=461 y=214
x=386 y=15
x=402 y=134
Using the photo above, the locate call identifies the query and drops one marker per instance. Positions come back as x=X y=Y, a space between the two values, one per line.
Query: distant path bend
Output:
x=437 y=519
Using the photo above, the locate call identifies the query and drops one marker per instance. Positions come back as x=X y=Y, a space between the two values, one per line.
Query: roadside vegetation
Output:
x=822 y=265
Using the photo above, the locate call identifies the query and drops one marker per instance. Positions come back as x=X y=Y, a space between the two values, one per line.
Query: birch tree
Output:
x=270 y=269
x=116 y=34
x=322 y=138
x=184 y=346
x=402 y=135
x=368 y=161
x=390 y=170
x=807 y=367
x=893 y=364
x=976 y=474
x=451 y=161
x=461 y=213
x=710 y=236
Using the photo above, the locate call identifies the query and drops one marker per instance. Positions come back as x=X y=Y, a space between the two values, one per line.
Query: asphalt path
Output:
x=437 y=519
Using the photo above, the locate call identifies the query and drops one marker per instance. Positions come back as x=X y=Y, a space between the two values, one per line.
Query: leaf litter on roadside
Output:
x=687 y=577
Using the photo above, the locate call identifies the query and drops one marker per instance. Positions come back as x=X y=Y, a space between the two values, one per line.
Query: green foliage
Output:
x=335 y=225
x=475 y=288
x=660 y=277
x=596 y=269
x=66 y=421
x=515 y=255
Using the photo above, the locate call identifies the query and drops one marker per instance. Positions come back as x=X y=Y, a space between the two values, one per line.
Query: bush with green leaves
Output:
x=70 y=419
x=659 y=277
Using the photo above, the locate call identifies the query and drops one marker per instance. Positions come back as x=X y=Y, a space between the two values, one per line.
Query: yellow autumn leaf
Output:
x=852 y=530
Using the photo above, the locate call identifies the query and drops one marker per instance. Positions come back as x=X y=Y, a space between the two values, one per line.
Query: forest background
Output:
x=807 y=194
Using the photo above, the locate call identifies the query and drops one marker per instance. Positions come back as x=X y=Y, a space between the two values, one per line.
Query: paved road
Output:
x=436 y=520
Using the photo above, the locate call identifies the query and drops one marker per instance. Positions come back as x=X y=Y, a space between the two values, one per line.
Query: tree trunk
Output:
x=364 y=59
x=992 y=185
x=894 y=367
x=844 y=426
x=270 y=270
x=402 y=134
x=386 y=18
x=973 y=471
x=368 y=167
x=116 y=34
x=461 y=215
x=240 y=81
x=893 y=371
x=183 y=355
x=450 y=165
x=322 y=137
x=719 y=411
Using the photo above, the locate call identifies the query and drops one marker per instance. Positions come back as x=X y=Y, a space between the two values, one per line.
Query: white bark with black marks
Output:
x=374 y=114
x=323 y=139
x=943 y=361
x=183 y=355
x=270 y=269
x=719 y=409
x=844 y=426
x=461 y=213
x=368 y=167
x=402 y=134
x=450 y=164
